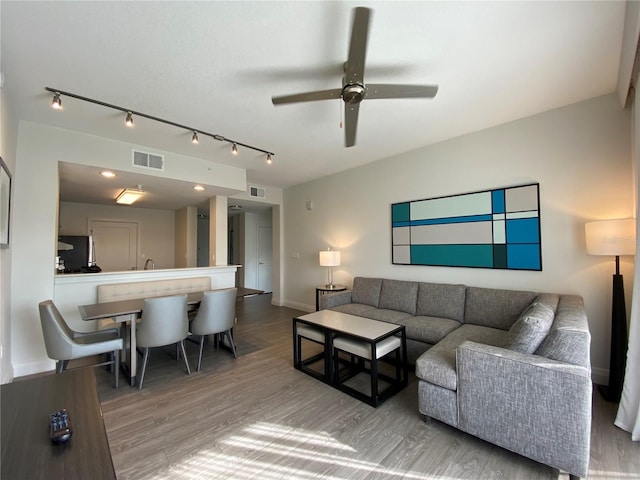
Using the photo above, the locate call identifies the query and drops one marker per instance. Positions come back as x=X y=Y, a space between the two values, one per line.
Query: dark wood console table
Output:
x=27 y=451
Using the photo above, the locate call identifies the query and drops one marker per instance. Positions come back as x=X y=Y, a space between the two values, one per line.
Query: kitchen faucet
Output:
x=146 y=264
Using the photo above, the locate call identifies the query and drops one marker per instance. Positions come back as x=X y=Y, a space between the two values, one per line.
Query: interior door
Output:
x=265 y=258
x=116 y=244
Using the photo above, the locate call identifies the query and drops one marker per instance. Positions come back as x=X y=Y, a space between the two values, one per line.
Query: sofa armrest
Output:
x=531 y=405
x=334 y=299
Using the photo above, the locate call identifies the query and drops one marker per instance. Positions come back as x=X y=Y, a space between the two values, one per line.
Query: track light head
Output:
x=129 y=120
x=269 y=161
x=194 y=138
x=56 y=103
x=234 y=149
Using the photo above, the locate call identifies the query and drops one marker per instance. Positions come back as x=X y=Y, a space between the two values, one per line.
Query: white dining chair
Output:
x=64 y=344
x=216 y=315
x=164 y=322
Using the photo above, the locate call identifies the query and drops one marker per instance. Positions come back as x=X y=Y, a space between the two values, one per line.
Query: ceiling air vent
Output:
x=148 y=160
x=257 y=192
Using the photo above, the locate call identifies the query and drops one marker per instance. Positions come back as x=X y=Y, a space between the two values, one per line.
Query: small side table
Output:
x=327 y=289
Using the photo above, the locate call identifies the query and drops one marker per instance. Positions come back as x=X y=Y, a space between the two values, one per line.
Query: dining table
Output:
x=127 y=313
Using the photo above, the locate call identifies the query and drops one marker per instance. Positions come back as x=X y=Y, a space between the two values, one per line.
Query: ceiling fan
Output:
x=354 y=90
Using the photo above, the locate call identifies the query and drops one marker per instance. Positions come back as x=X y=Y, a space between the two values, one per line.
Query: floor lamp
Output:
x=614 y=238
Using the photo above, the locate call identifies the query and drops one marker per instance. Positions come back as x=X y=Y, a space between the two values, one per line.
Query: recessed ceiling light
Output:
x=199 y=188
x=107 y=174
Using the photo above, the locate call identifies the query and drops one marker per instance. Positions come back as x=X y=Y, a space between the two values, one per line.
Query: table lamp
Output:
x=614 y=238
x=330 y=258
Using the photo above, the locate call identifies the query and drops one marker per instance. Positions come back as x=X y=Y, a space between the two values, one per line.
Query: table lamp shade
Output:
x=329 y=258
x=611 y=237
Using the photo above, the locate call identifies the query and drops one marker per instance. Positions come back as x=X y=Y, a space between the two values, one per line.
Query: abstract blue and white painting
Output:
x=489 y=229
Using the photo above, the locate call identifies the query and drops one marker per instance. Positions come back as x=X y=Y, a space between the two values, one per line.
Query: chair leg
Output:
x=60 y=366
x=231 y=344
x=144 y=367
x=184 y=354
x=116 y=367
x=200 y=355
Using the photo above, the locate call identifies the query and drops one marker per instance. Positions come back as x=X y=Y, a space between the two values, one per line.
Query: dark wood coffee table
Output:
x=357 y=335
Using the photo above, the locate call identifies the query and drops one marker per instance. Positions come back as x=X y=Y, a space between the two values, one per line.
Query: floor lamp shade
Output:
x=614 y=238
x=330 y=258
x=611 y=237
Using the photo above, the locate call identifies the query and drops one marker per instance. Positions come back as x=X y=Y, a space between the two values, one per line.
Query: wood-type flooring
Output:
x=258 y=418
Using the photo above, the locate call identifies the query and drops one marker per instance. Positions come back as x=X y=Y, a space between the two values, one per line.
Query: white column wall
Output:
x=218 y=231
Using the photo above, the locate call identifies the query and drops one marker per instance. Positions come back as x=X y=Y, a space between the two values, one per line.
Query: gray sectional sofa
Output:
x=510 y=367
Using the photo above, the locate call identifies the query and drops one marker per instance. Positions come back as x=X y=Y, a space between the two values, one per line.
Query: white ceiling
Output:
x=215 y=66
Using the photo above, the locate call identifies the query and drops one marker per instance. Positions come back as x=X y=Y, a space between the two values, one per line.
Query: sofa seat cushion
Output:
x=373 y=313
x=428 y=329
x=438 y=364
x=531 y=328
x=358 y=309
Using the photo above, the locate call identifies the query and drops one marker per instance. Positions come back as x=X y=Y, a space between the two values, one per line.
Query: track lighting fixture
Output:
x=57 y=103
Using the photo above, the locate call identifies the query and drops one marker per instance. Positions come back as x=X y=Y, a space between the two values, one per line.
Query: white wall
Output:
x=580 y=155
x=155 y=238
x=39 y=149
x=8 y=146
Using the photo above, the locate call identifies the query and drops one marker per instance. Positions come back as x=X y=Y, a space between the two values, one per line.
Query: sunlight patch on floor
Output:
x=268 y=451
x=613 y=475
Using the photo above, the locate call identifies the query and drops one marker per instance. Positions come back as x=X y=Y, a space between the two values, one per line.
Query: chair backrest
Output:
x=217 y=312
x=58 y=337
x=164 y=321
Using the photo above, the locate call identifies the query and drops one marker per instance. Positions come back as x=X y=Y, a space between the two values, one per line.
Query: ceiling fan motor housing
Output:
x=353 y=93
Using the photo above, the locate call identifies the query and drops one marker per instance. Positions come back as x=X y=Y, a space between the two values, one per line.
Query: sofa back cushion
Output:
x=530 y=329
x=569 y=339
x=399 y=295
x=495 y=307
x=441 y=300
x=366 y=291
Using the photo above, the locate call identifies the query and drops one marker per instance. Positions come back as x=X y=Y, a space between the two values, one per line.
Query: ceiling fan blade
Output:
x=354 y=68
x=400 y=91
x=308 y=96
x=350 y=123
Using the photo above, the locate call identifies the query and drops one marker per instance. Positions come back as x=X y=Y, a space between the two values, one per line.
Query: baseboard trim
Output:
x=31 y=368
x=300 y=306
x=600 y=376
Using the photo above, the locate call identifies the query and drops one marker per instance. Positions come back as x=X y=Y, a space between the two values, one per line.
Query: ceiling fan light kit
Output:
x=57 y=104
x=354 y=90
